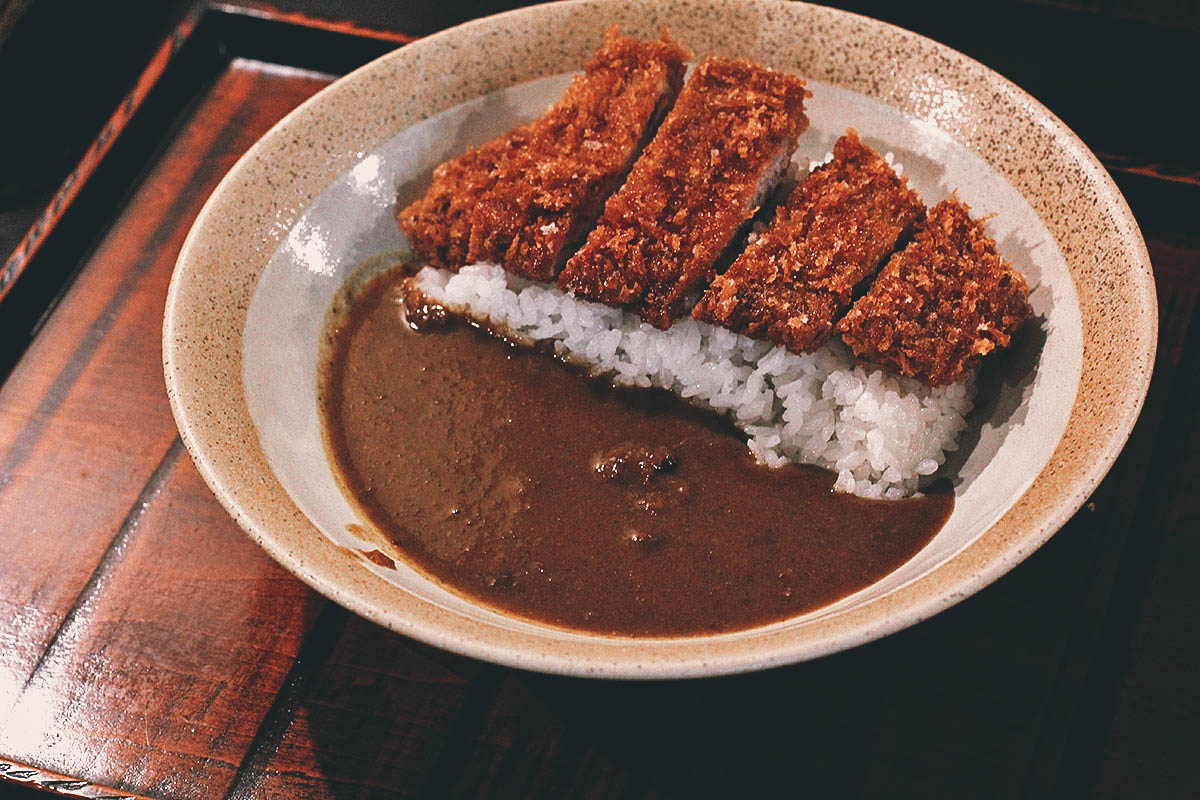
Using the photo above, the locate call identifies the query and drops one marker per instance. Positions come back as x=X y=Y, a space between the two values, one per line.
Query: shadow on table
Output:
x=965 y=704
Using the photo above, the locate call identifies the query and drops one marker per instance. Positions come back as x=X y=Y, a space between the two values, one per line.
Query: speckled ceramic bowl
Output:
x=313 y=198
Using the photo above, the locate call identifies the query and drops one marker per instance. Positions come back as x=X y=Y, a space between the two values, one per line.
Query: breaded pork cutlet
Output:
x=798 y=277
x=941 y=303
x=438 y=225
x=714 y=159
x=548 y=192
x=523 y=197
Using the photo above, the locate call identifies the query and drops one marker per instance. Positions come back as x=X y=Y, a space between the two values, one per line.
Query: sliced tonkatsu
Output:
x=522 y=199
x=718 y=153
x=438 y=225
x=941 y=304
x=548 y=192
x=797 y=278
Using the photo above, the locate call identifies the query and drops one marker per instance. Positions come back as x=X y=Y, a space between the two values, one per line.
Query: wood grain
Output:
x=133 y=556
x=147 y=645
x=371 y=719
x=23 y=781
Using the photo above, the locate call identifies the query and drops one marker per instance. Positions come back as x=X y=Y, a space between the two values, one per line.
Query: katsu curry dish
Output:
x=646 y=370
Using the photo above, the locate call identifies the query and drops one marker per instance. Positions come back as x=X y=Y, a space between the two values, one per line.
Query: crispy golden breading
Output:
x=548 y=192
x=941 y=304
x=727 y=137
x=438 y=225
x=794 y=281
x=522 y=199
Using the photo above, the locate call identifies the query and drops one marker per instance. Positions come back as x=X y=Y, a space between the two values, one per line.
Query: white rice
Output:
x=882 y=434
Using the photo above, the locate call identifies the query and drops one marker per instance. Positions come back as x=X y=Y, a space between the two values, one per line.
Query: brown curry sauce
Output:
x=508 y=476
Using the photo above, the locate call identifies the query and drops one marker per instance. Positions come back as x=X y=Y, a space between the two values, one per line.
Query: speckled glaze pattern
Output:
x=257 y=203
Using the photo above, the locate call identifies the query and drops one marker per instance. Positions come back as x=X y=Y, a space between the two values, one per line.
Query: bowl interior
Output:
x=1024 y=399
x=314 y=197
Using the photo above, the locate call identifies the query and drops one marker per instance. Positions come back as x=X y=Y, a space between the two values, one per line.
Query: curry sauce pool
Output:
x=510 y=477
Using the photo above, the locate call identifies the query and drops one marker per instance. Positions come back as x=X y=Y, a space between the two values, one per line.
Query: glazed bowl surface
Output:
x=314 y=198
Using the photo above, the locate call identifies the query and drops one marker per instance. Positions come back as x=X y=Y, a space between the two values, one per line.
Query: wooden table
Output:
x=148 y=646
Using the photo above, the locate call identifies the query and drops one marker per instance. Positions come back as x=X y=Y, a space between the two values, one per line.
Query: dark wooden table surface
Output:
x=148 y=646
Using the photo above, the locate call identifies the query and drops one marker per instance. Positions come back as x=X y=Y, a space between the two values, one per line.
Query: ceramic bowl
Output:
x=314 y=198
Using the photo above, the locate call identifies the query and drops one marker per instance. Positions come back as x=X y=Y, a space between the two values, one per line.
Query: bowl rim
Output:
x=652 y=657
